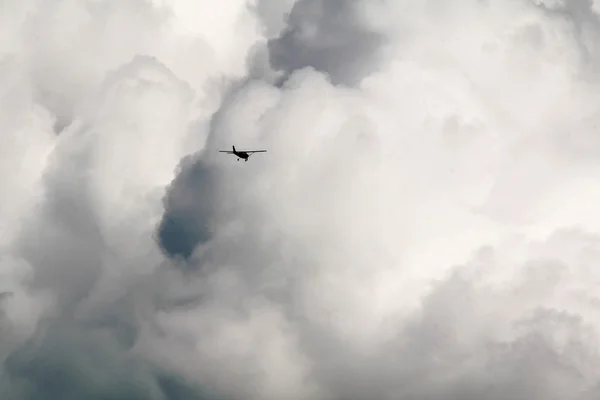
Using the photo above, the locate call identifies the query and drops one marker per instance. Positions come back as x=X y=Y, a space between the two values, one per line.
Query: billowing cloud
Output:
x=423 y=225
x=332 y=36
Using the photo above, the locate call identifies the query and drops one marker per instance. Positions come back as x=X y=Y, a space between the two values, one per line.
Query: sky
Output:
x=423 y=226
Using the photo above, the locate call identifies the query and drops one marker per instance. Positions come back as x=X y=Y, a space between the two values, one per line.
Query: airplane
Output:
x=245 y=154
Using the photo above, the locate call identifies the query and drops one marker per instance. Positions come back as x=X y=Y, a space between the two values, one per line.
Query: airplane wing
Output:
x=242 y=151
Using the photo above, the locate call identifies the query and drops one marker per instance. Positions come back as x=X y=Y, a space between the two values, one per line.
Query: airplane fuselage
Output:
x=241 y=154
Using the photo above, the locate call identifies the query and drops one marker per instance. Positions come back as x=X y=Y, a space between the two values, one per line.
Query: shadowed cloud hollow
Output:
x=423 y=226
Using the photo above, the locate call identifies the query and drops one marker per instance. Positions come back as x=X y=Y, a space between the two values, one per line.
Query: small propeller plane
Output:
x=245 y=154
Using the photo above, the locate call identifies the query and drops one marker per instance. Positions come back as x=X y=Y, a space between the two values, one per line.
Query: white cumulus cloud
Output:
x=423 y=225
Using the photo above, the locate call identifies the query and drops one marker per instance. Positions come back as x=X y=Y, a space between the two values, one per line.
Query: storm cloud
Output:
x=423 y=225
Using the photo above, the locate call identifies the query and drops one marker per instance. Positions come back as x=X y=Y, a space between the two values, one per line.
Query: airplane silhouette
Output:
x=245 y=154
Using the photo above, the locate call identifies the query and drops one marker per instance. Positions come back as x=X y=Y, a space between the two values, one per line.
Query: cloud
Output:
x=330 y=36
x=423 y=225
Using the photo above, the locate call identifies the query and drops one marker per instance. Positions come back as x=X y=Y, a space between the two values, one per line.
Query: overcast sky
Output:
x=423 y=226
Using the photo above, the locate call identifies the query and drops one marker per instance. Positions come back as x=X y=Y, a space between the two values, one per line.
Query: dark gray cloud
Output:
x=71 y=360
x=187 y=219
x=330 y=36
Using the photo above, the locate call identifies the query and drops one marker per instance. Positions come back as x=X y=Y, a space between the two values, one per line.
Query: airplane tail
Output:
x=233 y=148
